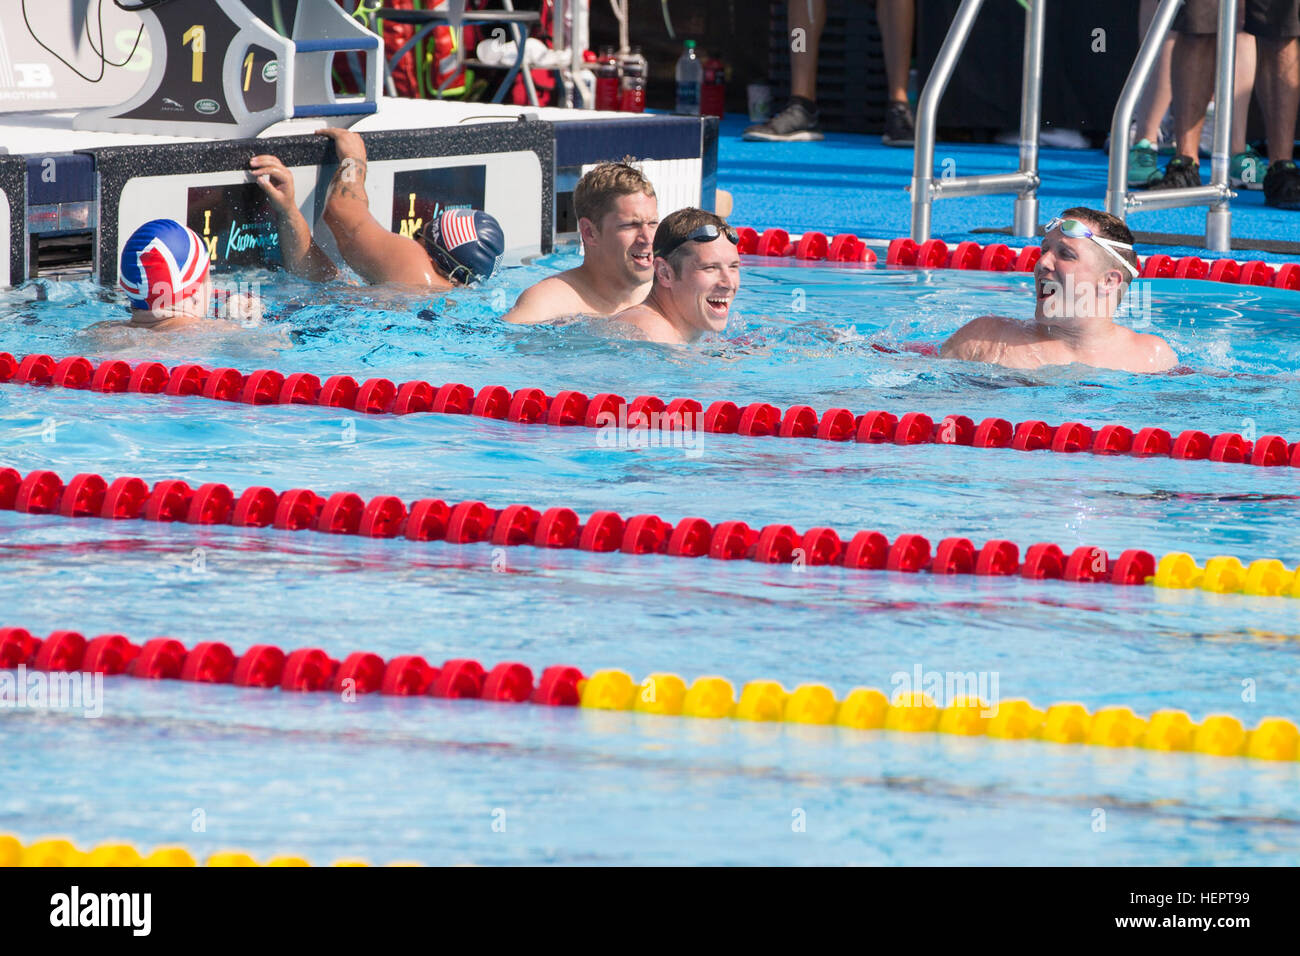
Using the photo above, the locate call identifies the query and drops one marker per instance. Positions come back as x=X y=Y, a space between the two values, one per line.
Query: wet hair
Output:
x=604 y=185
x=675 y=227
x=1108 y=227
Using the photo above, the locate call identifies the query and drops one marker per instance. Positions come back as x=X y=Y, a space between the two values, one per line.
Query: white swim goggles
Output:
x=1077 y=230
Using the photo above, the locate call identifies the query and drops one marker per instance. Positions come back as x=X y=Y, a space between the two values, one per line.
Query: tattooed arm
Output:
x=376 y=254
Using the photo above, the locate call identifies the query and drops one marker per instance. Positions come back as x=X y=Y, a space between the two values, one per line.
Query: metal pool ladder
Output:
x=1119 y=201
x=925 y=188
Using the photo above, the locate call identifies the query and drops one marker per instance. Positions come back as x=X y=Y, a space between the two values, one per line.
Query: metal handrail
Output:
x=1119 y=200
x=925 y=189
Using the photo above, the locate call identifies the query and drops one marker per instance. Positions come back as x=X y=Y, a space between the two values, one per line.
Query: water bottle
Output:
x=690 y=77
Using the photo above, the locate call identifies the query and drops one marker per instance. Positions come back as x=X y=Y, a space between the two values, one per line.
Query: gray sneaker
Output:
x=793 y=124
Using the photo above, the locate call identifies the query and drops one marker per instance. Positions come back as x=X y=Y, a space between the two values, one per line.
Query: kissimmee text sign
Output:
x=236 y=223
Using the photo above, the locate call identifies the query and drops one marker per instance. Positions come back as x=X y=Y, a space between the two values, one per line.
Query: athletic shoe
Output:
x=1246 y=170
x=794 y=124
x=1143 y=167
x=1181 y=171
x=1282 y=185
x=899 y=128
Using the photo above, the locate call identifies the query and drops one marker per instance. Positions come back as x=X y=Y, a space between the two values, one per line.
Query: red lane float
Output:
x=305 y=670
x=377 y=396
x=465 y=522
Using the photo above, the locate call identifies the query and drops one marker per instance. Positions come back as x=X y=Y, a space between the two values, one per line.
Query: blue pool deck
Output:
x=851 y=183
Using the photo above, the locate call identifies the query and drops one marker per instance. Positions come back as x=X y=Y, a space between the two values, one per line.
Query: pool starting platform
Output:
x=74 y=184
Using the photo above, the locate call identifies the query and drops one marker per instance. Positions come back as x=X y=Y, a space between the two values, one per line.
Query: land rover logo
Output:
x=207 y=106
x=271 y=71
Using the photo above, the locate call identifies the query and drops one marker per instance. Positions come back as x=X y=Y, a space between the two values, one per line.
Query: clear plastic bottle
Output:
x=690 y=78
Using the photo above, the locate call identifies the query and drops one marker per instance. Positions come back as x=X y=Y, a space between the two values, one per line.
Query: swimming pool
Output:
x=452 y=781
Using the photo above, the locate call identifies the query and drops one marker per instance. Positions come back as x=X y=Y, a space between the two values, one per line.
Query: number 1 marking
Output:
x=196 y=35
x=248 y=70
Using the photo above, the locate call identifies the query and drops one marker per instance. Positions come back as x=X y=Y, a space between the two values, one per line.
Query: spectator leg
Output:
x=1193 y=82
x=897 y=20
x=810 y=17
x=1279 y=93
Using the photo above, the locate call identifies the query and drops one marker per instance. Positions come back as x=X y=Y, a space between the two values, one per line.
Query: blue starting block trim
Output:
x=335 y=46
x=580 y=142
x=62 y=177
x=336 y=109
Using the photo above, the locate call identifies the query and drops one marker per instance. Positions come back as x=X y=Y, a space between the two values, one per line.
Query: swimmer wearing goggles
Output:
x=1078 y=288
x=696 y=278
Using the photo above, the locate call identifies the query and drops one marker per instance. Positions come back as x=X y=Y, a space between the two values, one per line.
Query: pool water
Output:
x=453 y=781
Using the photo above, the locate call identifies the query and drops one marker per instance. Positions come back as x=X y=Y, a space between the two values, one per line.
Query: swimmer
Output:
x=696 y=278
x=457 y=247
x=164 y=270
x=617 y=214
x=1086 y=266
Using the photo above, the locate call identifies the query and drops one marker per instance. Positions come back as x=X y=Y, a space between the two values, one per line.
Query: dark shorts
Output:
x=1263 y=18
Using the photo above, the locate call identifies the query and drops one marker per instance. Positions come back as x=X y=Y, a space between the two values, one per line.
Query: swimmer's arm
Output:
x=1163 y=358
x=970 y=343
x=378 y=255
x=375 y=253
x=299 y=251
x=534 y=306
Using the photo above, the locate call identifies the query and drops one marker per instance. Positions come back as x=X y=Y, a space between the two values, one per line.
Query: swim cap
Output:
x=466 y=244
x=163 y=260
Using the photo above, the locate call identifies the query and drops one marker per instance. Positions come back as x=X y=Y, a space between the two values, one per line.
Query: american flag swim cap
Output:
x=464 y=240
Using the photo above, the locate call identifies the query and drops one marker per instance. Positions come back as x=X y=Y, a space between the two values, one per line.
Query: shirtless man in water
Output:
x=696 y=278
x=617 y=214
x=1085 y=269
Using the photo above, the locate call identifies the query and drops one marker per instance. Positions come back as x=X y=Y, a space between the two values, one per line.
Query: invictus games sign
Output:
x=421 y=194
x=236 y=223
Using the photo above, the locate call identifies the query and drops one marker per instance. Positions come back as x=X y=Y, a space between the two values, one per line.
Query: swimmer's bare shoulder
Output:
x=1153 y=354
x=650 y=324
x=554 y=295
x=984 y=339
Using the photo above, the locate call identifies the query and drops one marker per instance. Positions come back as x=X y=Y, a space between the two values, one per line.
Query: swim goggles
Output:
x=1077 y=230
x=455 y=272
x=705 y=233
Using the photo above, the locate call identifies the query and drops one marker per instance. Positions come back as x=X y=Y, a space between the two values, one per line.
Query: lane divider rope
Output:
x=532 y=406
x=998 y=257
x=89 y=495
x=863 y=708
x=59 y=852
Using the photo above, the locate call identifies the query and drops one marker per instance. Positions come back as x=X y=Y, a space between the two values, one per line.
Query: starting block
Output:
x=219 y=71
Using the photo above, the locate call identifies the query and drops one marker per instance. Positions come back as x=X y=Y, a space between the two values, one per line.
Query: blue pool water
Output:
x=395 y=779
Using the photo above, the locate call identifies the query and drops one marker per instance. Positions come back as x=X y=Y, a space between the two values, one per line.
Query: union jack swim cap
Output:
x=162 y=263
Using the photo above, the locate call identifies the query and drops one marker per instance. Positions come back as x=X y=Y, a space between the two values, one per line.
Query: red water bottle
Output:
x=713 y=94
x=607 y=92
x=634 y=67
